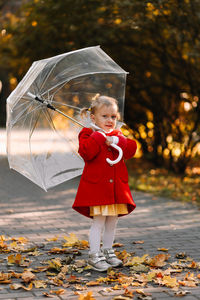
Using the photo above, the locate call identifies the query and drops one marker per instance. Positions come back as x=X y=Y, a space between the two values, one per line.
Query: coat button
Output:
x=109 y=149
x=111 y=165
x=111 y=180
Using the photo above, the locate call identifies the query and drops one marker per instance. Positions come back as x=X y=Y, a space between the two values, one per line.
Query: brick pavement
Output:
x=28 y=211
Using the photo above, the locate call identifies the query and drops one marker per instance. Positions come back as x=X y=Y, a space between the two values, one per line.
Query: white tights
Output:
x=100 y=223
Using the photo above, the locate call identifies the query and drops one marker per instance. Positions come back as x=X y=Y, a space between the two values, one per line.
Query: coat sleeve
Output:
x=90 y=143
x=128 y=146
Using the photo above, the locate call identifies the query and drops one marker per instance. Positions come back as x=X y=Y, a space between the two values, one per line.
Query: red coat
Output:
x=102 y=183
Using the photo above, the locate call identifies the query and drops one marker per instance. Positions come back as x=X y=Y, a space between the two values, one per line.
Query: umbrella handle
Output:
x=113 y=162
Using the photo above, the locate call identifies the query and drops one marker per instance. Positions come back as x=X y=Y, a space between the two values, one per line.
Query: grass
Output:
x=160 y=182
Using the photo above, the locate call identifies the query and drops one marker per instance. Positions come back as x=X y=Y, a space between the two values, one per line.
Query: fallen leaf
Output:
x=55 y=264
x=58 y=292
x=48 y=295
x=123 y=255
x=40 y=269
x=136 y=260
x=181 y=255
x=58 y=250
x=71 y=240
x=181 y=293
x=189 y=283
x=73 y=279
x=18 y=260
x=128 y=293
x=93 y=283
x=15 y=275
x=5 y=278
x=121 y=298
x=22 y=240
x=193 y=265
x=79 y=287
x=139 y=268
x=141 y=292
x=169 y=281
x=80 y=263
x=163 y=249
x=116 y=287
x=39 y=284
x=138 y=242
x=87 y=296
x=27 y=276
x=56 y=281
x=15 y=286
x=115 y=245
x=54 y=239
x=158 y=260
x=28 y=288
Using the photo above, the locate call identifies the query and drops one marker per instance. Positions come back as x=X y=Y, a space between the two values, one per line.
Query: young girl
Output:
x=103 y=193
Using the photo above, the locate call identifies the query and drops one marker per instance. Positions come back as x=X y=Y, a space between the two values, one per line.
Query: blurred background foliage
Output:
x=157 y=42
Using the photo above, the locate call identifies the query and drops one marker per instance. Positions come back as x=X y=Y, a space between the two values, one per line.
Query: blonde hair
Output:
x=98 y=101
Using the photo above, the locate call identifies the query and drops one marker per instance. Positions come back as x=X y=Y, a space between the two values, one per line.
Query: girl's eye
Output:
x=114 y=117
x=104 y=116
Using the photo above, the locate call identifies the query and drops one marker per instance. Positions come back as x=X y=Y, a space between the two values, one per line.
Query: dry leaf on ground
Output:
x=87 y=296
x=27 y=276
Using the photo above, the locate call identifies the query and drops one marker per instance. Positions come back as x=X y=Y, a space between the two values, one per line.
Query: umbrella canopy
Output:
x=42 y=144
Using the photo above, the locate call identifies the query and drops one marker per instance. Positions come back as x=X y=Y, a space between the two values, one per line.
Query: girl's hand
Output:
x=109 y=140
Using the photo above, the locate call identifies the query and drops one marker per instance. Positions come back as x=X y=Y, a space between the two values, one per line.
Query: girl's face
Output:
x=105 y=117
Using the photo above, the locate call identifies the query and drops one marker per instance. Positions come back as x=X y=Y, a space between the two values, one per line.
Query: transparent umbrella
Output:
x=42 y=144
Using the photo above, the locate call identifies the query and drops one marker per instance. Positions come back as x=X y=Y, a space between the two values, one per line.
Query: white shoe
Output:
x=111 y=258
x=98 y=262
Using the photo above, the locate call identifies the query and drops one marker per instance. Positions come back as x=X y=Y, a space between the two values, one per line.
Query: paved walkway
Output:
x=27 y=211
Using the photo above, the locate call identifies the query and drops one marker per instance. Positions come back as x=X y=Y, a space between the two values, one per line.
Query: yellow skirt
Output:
x=109 y=210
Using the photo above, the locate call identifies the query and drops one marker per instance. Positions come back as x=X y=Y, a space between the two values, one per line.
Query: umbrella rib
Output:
x=49 y=119
x=33 y=127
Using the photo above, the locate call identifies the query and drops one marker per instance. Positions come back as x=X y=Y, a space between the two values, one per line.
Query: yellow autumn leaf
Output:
x=15 y=259
x=87 y=296
x=54 y=239
x=71 y=240
x=151 y=276
x=55 y=264
x=11 y=259
x=3 y=238
x=136 y=260
x=84 y=244
x=170 y=281
x=57 y=250
x=22 y=240
x=39 y=284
